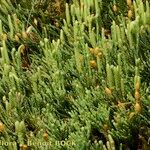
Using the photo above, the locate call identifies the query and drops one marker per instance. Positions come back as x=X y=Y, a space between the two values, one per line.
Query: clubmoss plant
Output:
x=82 y=85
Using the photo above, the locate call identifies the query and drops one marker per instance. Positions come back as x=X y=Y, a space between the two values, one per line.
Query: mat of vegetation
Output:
x=74 y=75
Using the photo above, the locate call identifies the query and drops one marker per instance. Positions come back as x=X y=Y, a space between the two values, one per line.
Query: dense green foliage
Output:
x=74 y=76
